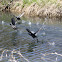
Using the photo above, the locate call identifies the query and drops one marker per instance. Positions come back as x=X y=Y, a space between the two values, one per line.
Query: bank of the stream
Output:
x=39 y=8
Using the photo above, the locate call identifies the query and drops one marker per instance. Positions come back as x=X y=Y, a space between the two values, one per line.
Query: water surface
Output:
x=19 y=46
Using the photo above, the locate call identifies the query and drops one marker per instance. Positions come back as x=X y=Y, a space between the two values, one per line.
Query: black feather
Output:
x=29 y=31
x=18 y=18
x=31 y=34
x=13 y=21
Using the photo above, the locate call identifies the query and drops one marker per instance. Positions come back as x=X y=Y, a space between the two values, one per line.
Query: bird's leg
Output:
x=37 y=39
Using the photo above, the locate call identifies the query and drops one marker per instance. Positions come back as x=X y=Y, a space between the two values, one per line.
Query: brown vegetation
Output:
x=51 y=10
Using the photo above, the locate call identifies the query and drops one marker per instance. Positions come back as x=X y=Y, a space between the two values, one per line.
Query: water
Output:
x=18 y=46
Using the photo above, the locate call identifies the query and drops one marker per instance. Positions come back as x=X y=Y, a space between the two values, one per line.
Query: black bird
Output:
x=33 y=34
x=18 y=17
x=13 y=24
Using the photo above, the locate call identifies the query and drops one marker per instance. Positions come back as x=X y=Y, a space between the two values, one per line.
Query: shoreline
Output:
x=35 y=10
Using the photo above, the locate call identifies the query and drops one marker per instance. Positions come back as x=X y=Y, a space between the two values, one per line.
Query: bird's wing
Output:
x=21 y=15
x=28 y=30
x=13 y=21
x=37 y=31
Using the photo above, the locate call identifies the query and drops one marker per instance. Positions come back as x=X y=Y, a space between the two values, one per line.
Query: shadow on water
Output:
x=19 y=46
x=14 y=38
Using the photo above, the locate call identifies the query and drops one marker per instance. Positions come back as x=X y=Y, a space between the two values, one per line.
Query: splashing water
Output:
x=18 y=46
x=29 y=23
x=3 y=22
x=23 y=21
x=53 y=43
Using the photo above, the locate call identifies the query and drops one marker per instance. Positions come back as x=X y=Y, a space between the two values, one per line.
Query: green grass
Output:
x=4 y=2
x=18 y=4
x=29 y=2
x=43 y=2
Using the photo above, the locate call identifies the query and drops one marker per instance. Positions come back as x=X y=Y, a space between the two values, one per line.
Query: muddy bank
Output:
x=51 y=10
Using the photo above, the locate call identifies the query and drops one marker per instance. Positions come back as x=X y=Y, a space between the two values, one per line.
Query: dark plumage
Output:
x=18 y=18
x=13 y=24
x=13 y=21
x=33 y=34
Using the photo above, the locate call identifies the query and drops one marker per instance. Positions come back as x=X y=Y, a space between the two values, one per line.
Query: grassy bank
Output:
x=42 y=2
x=29 y=2
x=51 y=8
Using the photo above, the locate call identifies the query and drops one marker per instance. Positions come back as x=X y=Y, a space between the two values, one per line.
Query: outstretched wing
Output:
x=13 y=21
x=28 y=31
x=21 y=15
x=37 y=31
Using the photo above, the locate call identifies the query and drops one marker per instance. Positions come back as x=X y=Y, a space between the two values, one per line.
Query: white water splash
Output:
x=29 y=23
x=37 y=23
x=43 y=34
x=51 y=43
x=23 y=21
x=3 y=22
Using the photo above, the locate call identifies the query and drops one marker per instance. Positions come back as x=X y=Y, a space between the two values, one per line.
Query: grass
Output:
x=43 y=2
x=18 y=4
x=29 y=2
x=4 y=2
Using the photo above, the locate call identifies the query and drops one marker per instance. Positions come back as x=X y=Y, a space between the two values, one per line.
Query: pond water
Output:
x=19 y=46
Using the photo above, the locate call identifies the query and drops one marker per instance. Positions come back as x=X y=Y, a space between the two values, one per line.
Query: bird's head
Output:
x=10 y=23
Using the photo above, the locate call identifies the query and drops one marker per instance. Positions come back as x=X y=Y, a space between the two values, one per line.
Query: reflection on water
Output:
x=18 y=46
